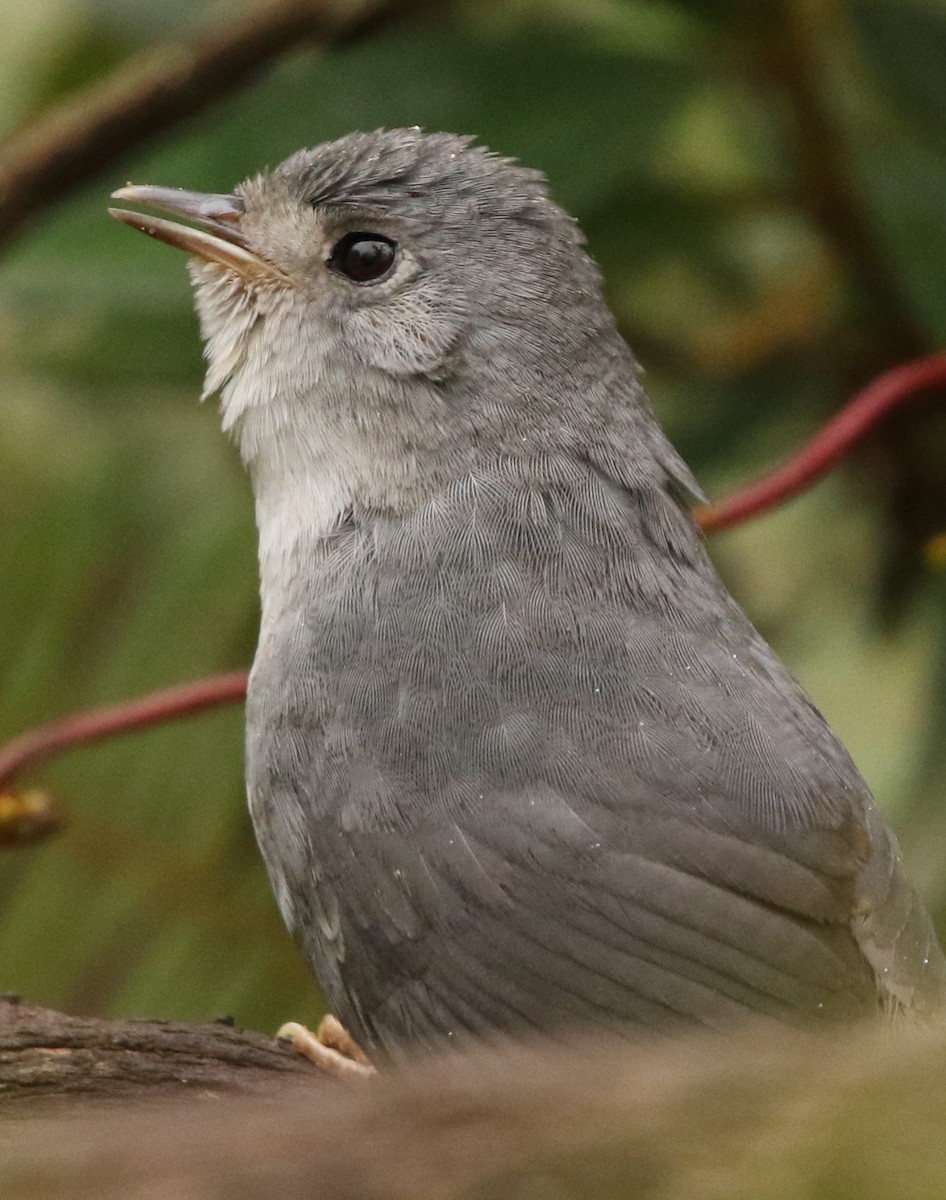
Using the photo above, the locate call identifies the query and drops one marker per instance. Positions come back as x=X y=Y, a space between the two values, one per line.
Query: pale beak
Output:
x=216 y=238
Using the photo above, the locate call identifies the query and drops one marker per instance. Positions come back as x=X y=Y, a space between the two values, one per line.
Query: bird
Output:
x=517 y=762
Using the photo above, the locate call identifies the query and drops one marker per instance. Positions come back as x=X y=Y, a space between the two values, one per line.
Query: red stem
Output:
x=830 y=443
x=855 y=420
x=98 y=723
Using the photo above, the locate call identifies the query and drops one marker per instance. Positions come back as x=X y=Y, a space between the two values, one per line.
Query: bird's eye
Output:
x=362 y=257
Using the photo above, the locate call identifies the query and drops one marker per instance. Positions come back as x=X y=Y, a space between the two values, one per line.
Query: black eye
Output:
x=362 y=257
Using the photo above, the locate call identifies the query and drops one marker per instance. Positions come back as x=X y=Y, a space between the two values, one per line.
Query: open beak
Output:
x=213 y=235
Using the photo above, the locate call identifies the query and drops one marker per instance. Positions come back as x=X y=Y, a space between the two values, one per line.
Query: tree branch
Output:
x=155 y=708
x=82 y=137
x=764 y=1115
x=48 y=1060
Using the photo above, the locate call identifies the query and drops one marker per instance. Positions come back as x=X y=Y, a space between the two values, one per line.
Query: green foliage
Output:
x=722 y=220
x=906 y=45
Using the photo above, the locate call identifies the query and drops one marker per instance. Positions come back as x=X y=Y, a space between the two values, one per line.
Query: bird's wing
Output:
x=532 y=908
x=561 y=777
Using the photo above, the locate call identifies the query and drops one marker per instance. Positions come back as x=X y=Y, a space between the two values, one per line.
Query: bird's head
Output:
x=395 y=274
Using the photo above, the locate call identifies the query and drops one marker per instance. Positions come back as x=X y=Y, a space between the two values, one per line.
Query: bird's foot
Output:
x=331 y=1047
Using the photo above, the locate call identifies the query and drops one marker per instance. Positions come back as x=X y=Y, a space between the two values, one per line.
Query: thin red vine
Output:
x=851 y=425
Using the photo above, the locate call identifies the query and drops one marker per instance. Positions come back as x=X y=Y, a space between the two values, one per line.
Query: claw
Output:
x=332 y=1048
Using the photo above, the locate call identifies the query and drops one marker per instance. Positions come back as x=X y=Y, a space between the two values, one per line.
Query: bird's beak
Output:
x=217 y=237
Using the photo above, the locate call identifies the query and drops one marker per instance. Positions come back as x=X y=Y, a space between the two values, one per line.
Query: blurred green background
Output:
x=764 y=186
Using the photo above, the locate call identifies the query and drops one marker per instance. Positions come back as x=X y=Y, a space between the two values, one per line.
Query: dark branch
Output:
x=48 y=1059
x=794 y=61
x=81 y=138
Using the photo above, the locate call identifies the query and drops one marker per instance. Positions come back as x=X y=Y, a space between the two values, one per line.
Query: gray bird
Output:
x=516 y=760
